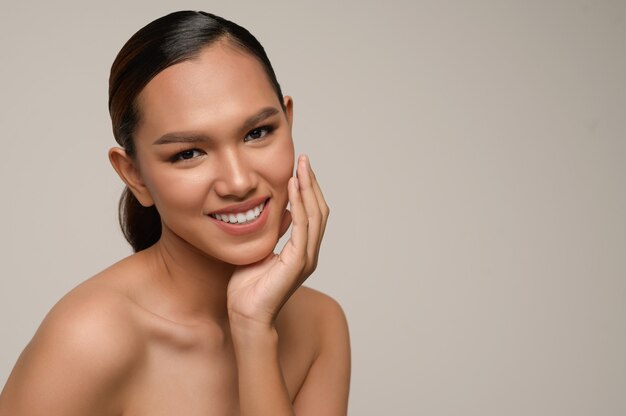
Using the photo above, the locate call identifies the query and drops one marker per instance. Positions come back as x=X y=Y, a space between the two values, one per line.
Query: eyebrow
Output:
x=191 y=137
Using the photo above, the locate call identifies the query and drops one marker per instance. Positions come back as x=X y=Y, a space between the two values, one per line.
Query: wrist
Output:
x=243 y=328
x=254 y=344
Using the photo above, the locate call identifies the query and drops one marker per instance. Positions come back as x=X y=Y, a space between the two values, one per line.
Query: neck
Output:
x=189 y=286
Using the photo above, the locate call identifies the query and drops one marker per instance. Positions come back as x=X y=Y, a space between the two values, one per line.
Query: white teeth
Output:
x=241 y=217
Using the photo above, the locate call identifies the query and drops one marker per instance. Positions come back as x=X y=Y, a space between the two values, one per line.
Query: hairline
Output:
x=225 y=40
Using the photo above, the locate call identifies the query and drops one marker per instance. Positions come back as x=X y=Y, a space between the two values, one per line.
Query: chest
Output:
x=199 y=380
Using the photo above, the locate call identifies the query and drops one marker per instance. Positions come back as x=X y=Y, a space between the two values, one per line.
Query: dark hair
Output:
x=169 y=40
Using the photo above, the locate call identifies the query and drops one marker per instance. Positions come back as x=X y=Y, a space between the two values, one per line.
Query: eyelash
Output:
x=266 y=129
x=178 y=157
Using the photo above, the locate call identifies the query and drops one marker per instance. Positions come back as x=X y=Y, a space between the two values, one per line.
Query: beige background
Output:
x=473 y=154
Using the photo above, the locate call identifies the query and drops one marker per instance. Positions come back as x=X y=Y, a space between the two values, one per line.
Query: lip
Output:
x=240 y=229
x=243 y=207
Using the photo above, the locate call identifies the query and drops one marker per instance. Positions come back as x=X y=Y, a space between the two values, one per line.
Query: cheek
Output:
x=278 y=165
x=179 y=190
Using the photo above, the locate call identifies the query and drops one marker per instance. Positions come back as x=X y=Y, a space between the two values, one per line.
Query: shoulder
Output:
x=320 y=313
x=94 y=319
x=323 y=308
x=83 y=351
x=319 y=321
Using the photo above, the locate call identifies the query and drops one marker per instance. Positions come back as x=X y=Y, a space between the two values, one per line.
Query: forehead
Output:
x=222 y=84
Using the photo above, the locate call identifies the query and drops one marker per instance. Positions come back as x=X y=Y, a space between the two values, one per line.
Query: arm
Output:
x=262 y=389
x=76 y=364
x=326 y=387
x=257 y=292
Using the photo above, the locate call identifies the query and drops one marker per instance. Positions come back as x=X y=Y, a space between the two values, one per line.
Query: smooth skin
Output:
x=203 y=322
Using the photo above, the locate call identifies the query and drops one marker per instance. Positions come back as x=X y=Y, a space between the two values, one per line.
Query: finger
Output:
x=294 y=252
x=318 y=193
x=313 y=211
x=323 y=206
x=285 y=222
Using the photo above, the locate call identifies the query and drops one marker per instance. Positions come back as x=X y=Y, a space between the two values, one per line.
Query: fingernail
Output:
x=295 y=182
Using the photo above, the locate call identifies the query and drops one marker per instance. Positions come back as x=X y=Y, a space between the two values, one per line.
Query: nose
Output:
x=235 y=176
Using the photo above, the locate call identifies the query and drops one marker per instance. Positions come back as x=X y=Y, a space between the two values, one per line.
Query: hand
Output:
x=257 y=292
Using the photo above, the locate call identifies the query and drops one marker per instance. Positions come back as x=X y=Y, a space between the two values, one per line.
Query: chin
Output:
x=253 y=254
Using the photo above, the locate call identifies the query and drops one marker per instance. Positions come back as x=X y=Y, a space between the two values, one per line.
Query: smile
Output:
x=242 y=217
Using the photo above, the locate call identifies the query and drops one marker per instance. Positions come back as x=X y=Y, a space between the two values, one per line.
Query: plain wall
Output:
x=473 y=155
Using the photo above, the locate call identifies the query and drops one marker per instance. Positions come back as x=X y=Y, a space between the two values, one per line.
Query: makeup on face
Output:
x=215 y=150
x=243 y=218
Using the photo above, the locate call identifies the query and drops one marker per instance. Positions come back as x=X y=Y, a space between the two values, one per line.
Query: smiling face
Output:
x=214 y=153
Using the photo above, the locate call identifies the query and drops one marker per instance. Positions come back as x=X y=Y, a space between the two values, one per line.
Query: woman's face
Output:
x=215 y=153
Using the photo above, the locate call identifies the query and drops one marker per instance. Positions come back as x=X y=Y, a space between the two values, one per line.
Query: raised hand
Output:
x=257 y=292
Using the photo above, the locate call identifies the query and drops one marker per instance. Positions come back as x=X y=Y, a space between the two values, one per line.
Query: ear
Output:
x=128 y=172
x=288 y=103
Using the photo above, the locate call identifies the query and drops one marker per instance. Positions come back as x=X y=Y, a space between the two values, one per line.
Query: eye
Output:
x=186 y=155
x=258 y=133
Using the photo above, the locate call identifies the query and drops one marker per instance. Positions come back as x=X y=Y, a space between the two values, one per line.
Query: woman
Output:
x=204 y=318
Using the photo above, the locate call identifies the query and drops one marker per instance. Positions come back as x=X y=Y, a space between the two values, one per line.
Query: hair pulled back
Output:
x=169 y=40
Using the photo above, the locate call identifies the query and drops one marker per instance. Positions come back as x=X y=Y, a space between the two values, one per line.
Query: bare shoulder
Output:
x=314 y=311
x=79 y=358
x=311 y=322
x=94 y=318
x=314 y=319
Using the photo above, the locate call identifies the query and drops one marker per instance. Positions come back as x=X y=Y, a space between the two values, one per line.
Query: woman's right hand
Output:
x=257 y=292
